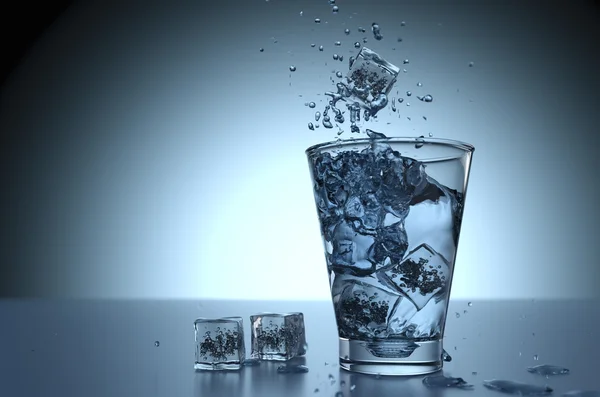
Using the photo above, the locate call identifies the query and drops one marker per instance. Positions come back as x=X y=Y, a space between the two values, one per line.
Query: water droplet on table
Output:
x=547 y=370
x=523 y=389
x=440 y=381
x=292 y=369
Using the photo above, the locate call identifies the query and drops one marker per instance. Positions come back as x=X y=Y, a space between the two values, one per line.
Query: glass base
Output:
x=391 y=357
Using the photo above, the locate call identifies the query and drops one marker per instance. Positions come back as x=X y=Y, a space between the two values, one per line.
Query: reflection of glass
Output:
x=390 y=211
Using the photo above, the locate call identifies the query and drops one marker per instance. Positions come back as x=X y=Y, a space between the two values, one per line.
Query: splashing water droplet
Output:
x=301 y=13
x=317 y=116
x=406 y=62
x=419 y=144
x=261 y=50
x=419 y=84
x=339 y=74
x=402 y=23
x=474 y=373
x=313 y=45
x=339 y=394
x=471 y=64
x=335 y=9
x=335 y=57
x=320 y=48
x=536 y=357
x=311 y=126
x=430 y=135
x=342 y=383
x=156 y=343
x=408 y=93
x=470 y=304
x=357 y=45
x=312 y=105
x=347 y=32
x=399 y=39
x=331 y=1
x=331 y=378
x=352 y=387
x=338 y=43
x=426 y=98
x=292 y=68
x=317 y=390
x=362 y=30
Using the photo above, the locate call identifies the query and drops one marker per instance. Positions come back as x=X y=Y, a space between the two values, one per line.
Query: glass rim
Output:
x=460 y=145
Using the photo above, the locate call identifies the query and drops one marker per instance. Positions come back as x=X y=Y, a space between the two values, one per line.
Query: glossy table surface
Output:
x=107 y=348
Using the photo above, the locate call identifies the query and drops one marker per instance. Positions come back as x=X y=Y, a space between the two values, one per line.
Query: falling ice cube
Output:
x=370 y=76
x=277 y=336
x=421 y=275
x=363 y=310
x=219 y=343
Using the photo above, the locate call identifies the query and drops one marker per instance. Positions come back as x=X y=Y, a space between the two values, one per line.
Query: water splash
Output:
x=311 y=126
x=426 y=98
x=347 y=32
x=317 y=20
x=292 y=68
x=156 y=343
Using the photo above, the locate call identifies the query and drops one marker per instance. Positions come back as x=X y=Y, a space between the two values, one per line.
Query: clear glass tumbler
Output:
x=390 y=211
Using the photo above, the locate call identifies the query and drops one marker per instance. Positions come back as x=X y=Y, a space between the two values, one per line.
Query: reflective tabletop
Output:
x=146 y=348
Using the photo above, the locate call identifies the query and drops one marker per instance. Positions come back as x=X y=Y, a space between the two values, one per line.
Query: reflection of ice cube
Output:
x=432 y=223
x=370 y=75
x=421 y=275
x=219 y=343
x=351 y=251
x=362 y=310
x=277 y=336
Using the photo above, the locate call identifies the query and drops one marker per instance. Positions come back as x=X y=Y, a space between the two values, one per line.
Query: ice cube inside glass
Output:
x=219 y=343
x=277 y=336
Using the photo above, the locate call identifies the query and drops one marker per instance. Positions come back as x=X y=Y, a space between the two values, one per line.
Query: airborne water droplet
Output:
x=408 y=93
x=335 y=57
x=347 y=31
x=156 y=343
x=402 y=23
x=419 y=84
x=420 y=142
x=317 y=20
x=430 y=135
x=357 y=45
x=335 y=9
x=338 y=43
x=405 y=61
x=312 y=105
x=292 y=68
x=313 y=45
x=536 y=357
x=457 y=315
x=445 y=356
x=311 y=126
x=320 y=48
x=331 y=378
x=352 y=387
x=440 y=381
x=426 y=98
x=471 y=64
x=317 y=116
x=339 y=74
x=547 y=370
x=470 y=304
x=261 y=50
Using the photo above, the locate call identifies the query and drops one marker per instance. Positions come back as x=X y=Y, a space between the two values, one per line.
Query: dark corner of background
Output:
x=21 y=23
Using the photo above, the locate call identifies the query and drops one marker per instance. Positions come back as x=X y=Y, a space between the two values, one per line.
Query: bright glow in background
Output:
x=154 y=152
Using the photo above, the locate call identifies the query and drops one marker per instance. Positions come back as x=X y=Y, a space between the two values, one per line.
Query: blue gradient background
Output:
x=150 y=150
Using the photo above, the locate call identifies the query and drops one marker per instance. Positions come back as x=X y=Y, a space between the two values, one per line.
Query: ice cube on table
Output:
x=422 y=274
x=219 y=344
x=363 y=310
x=370 y=76
x=277 y=336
